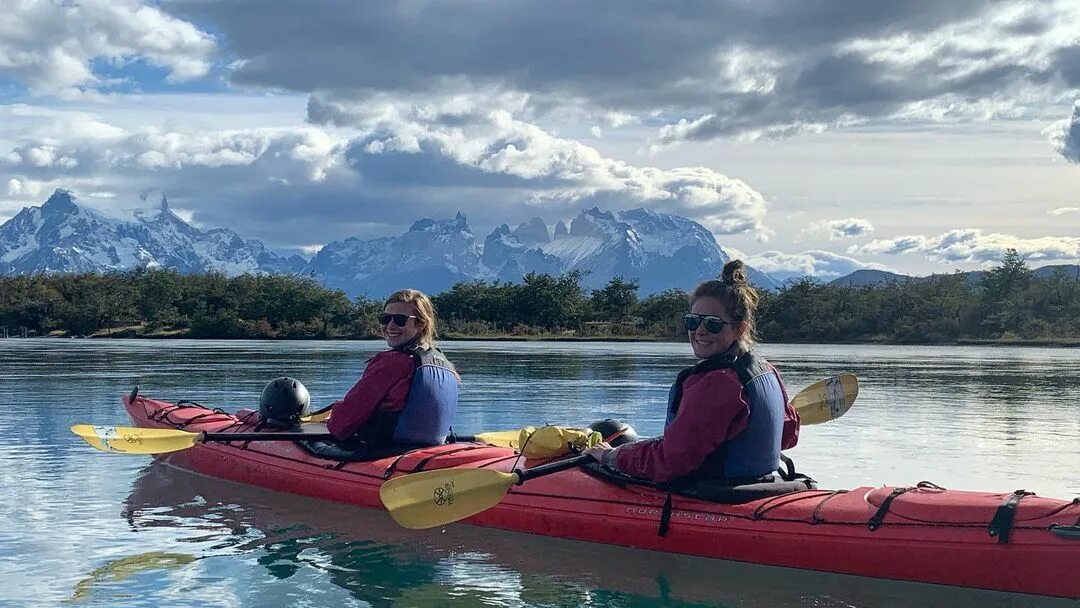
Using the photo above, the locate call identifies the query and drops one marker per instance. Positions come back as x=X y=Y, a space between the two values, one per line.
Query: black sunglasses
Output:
x=713 y=325
x=399 y=320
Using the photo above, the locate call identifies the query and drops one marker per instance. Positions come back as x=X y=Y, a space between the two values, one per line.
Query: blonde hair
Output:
x=425 y=310
x=739 y=298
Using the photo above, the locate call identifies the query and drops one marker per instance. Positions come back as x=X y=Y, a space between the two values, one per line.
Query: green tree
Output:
x=662 y=312
x=615 y=301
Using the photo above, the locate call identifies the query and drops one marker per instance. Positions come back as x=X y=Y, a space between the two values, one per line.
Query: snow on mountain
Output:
x=62 y=236
x=659 y=251
x=432 y=256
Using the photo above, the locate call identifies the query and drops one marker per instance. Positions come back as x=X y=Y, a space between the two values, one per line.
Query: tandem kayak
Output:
x=1014 y=542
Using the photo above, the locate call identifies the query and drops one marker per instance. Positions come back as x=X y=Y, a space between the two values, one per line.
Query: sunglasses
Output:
x=399 y=320
x=713 y=325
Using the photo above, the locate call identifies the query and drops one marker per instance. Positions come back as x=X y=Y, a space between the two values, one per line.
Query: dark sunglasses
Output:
x=399 y=320
x=713 y=325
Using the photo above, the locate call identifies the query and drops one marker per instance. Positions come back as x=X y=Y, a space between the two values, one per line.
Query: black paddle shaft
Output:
x=554 y=467
x=288 y=436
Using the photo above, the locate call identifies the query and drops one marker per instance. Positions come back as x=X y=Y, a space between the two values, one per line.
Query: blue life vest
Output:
x=433 y=397
x=429 y=408
x=756 y=450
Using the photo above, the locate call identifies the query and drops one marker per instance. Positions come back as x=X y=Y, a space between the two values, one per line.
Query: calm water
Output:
x=79 y=527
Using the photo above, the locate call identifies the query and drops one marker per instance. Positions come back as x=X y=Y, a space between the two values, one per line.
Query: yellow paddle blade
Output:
x=436 y=498
x=826 y=400
x=502 y=439
x=135 y=440
x=316 y=417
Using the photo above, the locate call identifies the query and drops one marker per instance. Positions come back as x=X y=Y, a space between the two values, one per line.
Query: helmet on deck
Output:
x=615 y=432
x=284 y=400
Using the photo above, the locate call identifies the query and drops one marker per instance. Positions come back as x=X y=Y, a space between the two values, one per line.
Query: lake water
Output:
x=80 y=527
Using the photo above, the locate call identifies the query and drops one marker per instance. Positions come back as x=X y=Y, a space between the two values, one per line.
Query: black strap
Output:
x=789 y=474
x=815 y=516
x=393 y=466
x=424 y=462
x=879 y=517
x=665 y=517
x=1002 y=523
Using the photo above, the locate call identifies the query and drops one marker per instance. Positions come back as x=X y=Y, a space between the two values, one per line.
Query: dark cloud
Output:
x=733 y=68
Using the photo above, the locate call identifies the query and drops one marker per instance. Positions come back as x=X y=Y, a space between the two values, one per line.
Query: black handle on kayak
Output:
x=553 y=467
x=289 y=436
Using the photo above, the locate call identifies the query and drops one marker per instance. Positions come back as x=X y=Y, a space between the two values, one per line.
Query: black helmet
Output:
x=284 y=400
x=615 y=432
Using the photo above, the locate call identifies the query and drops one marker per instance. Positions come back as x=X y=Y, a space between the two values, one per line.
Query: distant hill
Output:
x=864 y=277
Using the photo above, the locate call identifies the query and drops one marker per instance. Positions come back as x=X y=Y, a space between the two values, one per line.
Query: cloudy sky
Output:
x=811 y=137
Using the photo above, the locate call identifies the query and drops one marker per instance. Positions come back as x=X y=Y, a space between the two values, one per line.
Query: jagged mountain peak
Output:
x=533 y=232
x=458 y=224
x=62 y=236
x=61 y=201
x=660 y=251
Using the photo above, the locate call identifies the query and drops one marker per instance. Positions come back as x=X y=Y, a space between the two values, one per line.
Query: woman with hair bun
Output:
x=728 y=416
x=407 y=395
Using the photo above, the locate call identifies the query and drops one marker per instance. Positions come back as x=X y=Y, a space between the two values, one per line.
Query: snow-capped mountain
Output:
x=660 y=251
x=432 y=256
x=63 y=236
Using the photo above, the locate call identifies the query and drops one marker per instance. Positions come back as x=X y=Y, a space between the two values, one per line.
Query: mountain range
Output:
x=660 y=251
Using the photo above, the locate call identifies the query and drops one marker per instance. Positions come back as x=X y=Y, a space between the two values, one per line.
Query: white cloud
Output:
x=842 y=228
x=1065 y=136
x=819 y=264
x=50 y=46
x=1064 y=210
x=364 y=164
x=971 y=245
x=483 y=134
x=153 y=149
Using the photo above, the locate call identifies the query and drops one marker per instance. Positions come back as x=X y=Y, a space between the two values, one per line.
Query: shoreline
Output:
x=128 y=333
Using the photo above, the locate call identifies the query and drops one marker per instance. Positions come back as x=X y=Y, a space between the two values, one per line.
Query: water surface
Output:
x=88 y=528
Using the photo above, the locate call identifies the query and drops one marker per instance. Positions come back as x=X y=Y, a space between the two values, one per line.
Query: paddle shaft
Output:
x=290 y=436
x=554 y=467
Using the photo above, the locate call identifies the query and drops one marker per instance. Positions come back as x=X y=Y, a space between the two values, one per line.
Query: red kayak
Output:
x=1014 y=542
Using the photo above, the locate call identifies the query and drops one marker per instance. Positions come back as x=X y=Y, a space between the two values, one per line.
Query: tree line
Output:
x=1010 y=303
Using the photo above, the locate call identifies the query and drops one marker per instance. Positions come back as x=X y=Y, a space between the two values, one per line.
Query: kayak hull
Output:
x=926 y=534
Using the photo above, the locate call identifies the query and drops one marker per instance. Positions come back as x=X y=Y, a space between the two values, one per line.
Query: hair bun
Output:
x=734 y=273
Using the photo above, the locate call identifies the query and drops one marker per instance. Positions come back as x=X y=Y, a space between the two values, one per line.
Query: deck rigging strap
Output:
x=1002 y=523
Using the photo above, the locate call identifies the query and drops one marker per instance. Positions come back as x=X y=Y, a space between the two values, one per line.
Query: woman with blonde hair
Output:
x=728 y=416
x=407 y=395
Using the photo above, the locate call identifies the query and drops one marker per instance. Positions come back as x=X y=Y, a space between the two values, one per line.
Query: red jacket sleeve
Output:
x=384 y=385
x=712 y=410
